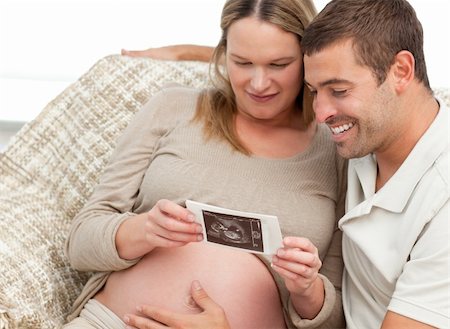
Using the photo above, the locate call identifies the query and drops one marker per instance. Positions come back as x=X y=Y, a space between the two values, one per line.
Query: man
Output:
x=364 y=64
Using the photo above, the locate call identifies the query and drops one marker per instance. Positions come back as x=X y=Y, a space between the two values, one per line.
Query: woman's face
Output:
x=265 y=68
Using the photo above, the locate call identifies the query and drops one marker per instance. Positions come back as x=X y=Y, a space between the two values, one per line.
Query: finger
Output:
x=165 y=318
x=177 y=239
x=297 y=256
x=284 y=273
x=293 y=271
x=300 y=243
x=142 y=322
x=174 y=230
x=199 y=295
x=176 y=226
x=203 y=300
x=167 y=222
x=175 y=210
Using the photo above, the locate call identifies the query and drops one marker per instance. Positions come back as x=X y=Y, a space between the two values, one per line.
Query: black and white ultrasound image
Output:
x=234 y=231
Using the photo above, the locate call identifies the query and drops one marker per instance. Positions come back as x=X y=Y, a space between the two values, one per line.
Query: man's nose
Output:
x=323 y=108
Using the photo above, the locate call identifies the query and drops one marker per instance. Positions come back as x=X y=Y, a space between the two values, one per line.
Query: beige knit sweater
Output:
x=163 y=154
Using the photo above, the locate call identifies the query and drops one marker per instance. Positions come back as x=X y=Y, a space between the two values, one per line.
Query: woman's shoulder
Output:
x=172 y=99
x=175 y=92
x=323 y=136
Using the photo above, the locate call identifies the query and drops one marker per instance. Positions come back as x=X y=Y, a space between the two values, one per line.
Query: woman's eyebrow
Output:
x=272 y=60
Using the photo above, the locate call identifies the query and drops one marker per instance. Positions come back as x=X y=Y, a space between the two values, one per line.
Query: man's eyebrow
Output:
x=329 y=82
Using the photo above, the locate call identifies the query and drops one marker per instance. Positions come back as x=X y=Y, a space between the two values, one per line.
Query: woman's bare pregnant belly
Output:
x=239 y=282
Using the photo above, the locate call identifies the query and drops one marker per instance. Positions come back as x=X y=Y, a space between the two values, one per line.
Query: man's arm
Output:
x=396 y=321
x=186 y=52
x=212 y=315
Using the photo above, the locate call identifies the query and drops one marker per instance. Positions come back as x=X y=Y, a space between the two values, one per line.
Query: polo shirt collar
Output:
x=394 y=195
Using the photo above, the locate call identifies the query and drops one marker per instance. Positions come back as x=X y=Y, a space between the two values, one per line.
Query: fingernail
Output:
x=200 y=237
x=196 y=285
x=126 y=319
x=281 y=252
x=190 y=218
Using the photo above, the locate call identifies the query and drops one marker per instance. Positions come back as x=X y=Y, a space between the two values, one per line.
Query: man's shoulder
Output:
x=442 y=166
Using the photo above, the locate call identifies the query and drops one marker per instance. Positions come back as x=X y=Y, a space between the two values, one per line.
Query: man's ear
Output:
x=403 y=70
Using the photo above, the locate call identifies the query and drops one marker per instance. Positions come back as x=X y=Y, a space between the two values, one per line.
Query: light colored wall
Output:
x=47 y=44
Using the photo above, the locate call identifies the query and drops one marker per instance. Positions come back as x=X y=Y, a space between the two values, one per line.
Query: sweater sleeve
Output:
x=91 y=242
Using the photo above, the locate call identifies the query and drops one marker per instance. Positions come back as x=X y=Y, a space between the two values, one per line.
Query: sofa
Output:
x=49 y=169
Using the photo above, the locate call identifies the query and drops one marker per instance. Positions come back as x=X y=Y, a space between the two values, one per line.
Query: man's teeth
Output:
x=341 y=129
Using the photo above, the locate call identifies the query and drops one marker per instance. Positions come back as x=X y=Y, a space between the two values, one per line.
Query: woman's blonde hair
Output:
x=217 y=106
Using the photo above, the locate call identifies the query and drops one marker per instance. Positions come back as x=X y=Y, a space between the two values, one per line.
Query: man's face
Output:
x=348 y=99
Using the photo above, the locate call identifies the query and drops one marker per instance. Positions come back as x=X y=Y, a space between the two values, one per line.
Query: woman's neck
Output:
x=270 y=140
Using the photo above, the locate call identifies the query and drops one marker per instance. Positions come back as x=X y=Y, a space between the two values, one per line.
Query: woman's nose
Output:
x=260 y=80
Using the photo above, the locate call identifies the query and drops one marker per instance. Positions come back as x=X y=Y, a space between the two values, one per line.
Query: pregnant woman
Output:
x=250 y=144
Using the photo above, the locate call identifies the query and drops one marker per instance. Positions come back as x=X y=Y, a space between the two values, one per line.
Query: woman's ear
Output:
x=403 y=70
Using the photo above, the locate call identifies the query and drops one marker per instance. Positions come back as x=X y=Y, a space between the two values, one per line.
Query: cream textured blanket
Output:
x=50 y=168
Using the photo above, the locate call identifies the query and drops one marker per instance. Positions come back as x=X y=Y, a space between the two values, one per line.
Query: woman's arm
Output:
x=106 y=224
x=298 y=263
x=315 y=297
x=185 y=52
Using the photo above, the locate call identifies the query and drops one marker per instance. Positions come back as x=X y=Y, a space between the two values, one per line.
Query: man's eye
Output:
x=339 y=92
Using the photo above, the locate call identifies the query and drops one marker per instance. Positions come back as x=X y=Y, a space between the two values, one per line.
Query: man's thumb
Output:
x=200 y=296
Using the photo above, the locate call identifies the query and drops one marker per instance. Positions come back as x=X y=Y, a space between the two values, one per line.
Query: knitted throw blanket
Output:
x=49 y=169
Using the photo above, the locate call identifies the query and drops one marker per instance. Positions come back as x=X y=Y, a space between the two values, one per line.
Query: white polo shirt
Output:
x=396 y=242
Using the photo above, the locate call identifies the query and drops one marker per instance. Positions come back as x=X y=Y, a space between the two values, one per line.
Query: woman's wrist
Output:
x=309 y=303
x=130 y=238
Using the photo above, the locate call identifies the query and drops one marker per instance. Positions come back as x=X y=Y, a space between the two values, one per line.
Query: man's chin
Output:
x=348 y=152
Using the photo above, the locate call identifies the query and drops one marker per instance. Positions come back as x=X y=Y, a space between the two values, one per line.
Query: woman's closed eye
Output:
x=279 y=65
x=242 y=63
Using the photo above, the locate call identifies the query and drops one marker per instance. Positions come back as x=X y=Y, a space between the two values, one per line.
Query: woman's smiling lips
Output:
x=261 y=98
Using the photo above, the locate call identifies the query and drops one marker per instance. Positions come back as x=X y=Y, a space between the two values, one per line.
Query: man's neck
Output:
x=421 y=112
